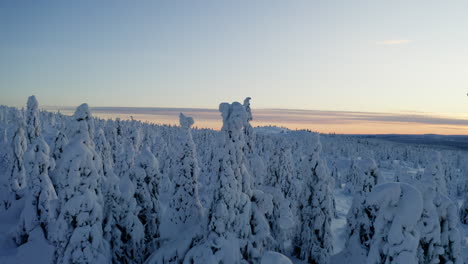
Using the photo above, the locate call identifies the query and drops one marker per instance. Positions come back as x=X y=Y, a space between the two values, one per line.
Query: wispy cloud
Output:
x=394 y=42
x=409 y=122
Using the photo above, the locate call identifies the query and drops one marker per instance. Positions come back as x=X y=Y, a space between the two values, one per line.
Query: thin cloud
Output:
x=394 y=42
x=279 y=116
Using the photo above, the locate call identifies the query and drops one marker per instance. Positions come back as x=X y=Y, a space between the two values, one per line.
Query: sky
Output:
x=374 y=56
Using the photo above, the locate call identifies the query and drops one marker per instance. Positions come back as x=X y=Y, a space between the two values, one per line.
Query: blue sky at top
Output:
x=372 y=55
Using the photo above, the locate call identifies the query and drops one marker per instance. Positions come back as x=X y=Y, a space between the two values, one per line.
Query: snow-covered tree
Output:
x=229 y=216
x=60 y=141
x=129 y=237
x=78 y=234
x=111 y=194
x=359 y=218
x=18 y=170
x=435 y=172
x=41 y=198
x=438 y=224
x=32 y=119
x=146 y=177
x=184 y=207
x=316 y=205
x=285 y=190
x=397 y=208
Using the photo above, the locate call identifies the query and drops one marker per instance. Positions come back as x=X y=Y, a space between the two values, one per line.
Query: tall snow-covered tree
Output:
x=438 y=224
x=129 y=238
x=78 y=234
x=229 y=216
x=41 y=198
x=111 y=195
x=316 y=206
x=18 y=170
x=183 y=218
x=360 y=218
x=32 y=119
x=285 y=190
x=184 y=206
x=145 y=176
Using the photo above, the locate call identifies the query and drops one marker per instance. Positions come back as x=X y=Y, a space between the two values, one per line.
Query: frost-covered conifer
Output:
x=255 y=163
x=184 y=207
x=78 y=232
x=285 y=191
x=146 y=177
x=129 y=237
x=18 y=170
x=32 y=119
x=229 y=216
x=438 y=223
x=397 y=209
x=316 y=205
x=60 y=141
x=360 y=218
x=41 y=199
x=435 y=171
x=110 y=190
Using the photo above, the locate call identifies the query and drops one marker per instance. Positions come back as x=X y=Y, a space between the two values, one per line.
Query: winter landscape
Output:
x=79 y=189
x=233 y=132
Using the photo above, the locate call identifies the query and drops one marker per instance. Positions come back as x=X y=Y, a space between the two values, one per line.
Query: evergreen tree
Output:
x=78 y=235
x=41 y=198
x=18 y=170
x=316 y=206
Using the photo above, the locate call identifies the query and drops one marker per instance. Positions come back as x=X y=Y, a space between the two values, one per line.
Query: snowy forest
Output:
x=80 y=189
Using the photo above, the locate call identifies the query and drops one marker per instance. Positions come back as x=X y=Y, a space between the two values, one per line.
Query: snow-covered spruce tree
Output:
x=129 y=237
x=435 y=171
x=41 y=199
x=255 y=163
x=60 y=141
x=360 y=217
x=184 y=207
x=182 y=227
x=450 y=239
x=316 y=206
x=440 y=239
x=398 y=208
x=125 y=157
x=19 y=147
x=285 y=192
x=78 y=235
x=146 y=177
x=32 y=119
x=229 y=217
x=111 y=192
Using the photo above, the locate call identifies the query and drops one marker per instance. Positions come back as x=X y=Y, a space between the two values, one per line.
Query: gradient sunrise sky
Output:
x=379 y=56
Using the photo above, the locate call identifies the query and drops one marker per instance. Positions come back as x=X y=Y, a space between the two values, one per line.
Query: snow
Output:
x=81 y=189
x=275 y=258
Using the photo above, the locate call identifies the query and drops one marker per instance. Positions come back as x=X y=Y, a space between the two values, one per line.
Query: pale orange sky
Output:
x=321 y=121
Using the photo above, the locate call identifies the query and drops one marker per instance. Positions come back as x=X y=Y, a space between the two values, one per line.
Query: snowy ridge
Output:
x=78 y=189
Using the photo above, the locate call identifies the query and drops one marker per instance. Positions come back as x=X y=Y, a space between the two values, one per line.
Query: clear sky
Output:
x=369 y=55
